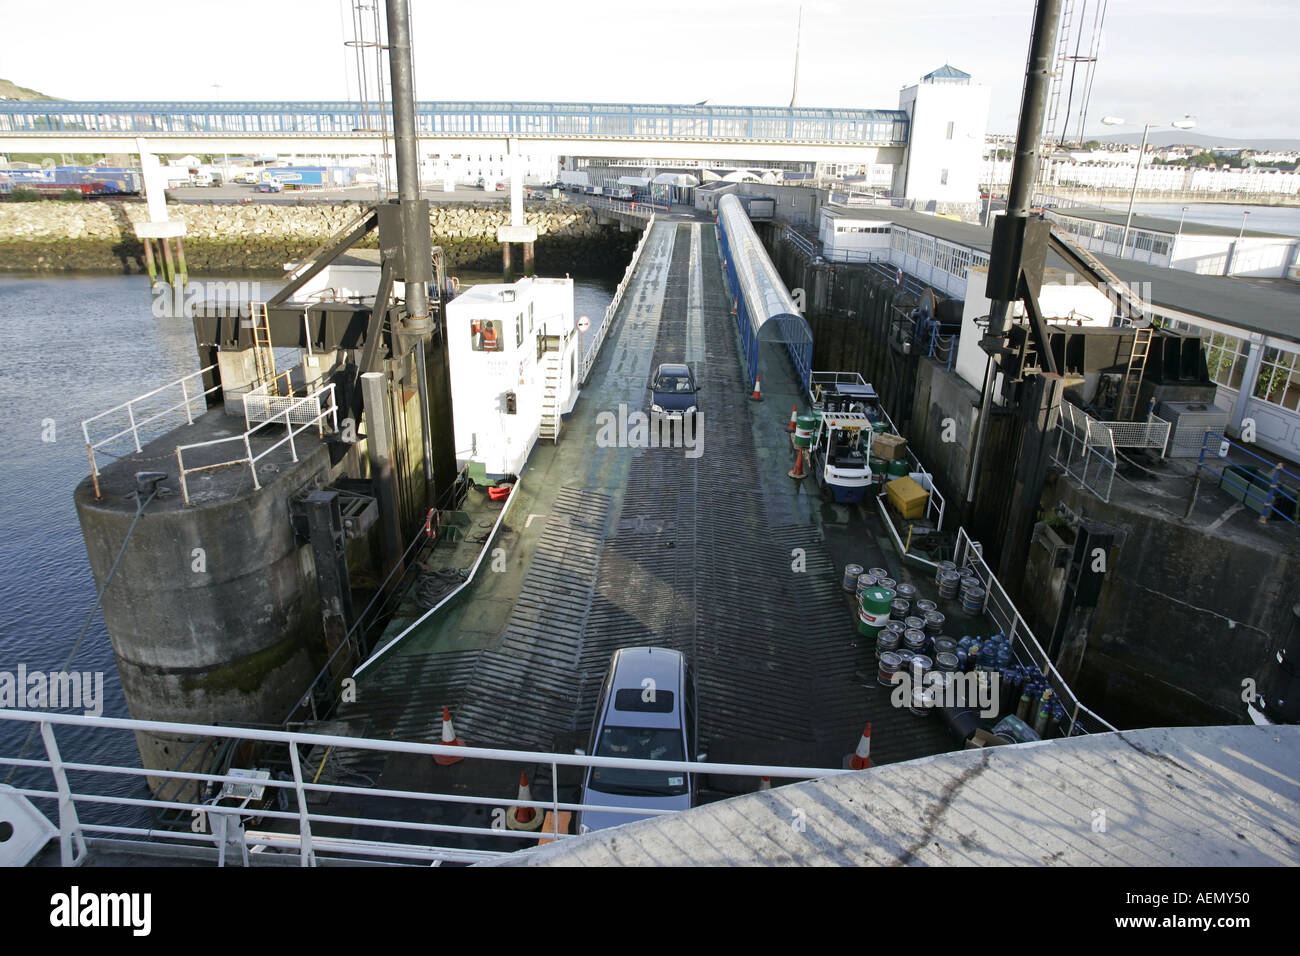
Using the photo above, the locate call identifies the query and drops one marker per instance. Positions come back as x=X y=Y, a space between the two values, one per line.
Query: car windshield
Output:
x=639 y=743
x=674 y=383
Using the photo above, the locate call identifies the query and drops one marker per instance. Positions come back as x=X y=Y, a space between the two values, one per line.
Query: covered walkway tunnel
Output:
x=764 y=309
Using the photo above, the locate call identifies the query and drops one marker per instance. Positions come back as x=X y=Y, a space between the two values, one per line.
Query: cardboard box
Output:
x=907 y=497
x=889 y=447
x=983 y=738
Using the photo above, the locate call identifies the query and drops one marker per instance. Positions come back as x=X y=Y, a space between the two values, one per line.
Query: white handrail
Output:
x=133 y=427
x=306 y=842
x=312 y=399
x=1003 y=611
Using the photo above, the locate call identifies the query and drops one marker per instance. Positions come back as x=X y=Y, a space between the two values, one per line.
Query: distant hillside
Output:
x=1177 y=137
x=12 y=91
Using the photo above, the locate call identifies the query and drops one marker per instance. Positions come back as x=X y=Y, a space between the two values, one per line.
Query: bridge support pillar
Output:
x=506 y=235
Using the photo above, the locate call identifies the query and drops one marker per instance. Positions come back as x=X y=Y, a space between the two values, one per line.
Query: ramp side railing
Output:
x=222 y=813
x=592 y=349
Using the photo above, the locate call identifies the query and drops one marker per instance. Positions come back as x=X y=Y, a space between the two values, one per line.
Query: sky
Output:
x=1233 y=66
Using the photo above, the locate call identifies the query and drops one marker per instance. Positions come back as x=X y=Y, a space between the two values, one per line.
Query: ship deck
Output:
x=721 y=556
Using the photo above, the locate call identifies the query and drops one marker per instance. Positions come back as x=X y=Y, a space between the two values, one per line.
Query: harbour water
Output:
x=1279 y=219
x=74 y=347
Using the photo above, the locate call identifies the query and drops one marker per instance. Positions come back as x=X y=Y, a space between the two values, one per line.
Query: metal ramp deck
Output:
x=650 y=546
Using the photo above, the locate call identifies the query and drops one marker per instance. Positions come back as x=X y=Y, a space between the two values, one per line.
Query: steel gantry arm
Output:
x=1091 y=268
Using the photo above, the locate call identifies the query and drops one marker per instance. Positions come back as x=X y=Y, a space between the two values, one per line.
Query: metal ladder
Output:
x=263 y=353
x=551 y=420
x=1137 y=363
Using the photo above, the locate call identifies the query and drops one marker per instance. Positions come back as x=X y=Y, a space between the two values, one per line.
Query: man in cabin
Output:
x=484 y=336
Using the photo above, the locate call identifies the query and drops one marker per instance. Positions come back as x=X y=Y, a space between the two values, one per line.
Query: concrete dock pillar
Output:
x=529 y=268
x=507 y=267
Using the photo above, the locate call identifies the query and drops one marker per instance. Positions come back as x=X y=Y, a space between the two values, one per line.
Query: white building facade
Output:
x=947 y=118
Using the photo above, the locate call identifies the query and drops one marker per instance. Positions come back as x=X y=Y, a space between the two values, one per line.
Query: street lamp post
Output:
x=1181 y=216
x=1242 y=231
x=1185 y=123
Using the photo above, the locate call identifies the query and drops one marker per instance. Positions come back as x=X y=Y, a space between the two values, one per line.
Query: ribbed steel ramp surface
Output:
x=691 y=553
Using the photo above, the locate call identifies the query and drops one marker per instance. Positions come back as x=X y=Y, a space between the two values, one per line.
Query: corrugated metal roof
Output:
x=1185 y=796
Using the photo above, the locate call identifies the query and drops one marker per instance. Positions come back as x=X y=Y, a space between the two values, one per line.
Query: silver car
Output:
x=647 y=711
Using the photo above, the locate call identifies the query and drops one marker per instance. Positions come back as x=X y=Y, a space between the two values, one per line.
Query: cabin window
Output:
x=519 y=330
x=485 y=335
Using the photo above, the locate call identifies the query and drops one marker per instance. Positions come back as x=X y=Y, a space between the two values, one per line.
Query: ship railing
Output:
x=591 y=350
x=1265 y=487
x=138 y=416
x=935 y=506
x=226 y=805
x=319 y=405
x=1002 y=611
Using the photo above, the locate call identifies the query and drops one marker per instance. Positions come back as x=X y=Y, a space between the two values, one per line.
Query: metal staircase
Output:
x=552 y=421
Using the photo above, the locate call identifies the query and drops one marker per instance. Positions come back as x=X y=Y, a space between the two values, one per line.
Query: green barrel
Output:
x=803 y=429
x=899 y=468
x=873 y=610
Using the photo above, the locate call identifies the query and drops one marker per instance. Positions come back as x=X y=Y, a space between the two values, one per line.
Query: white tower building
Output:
x=948 y=115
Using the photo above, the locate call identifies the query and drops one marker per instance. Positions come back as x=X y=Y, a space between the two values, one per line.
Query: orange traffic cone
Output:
x=765 y=784
x=523 y=818
x=861 y=758
x=758 y=389
x=794 y=415
x=449 y=739
x=798 y=471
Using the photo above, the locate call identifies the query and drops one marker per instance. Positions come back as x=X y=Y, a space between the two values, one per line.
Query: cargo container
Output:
x=311 y=177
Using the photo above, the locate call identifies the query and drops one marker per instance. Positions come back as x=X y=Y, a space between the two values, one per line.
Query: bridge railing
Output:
x=225 y=805
x=642 y=208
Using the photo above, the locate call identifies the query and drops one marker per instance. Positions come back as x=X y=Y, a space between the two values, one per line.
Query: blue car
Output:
x=675 y=393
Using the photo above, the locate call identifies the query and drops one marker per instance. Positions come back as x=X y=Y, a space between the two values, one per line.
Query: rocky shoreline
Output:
x=258 y=238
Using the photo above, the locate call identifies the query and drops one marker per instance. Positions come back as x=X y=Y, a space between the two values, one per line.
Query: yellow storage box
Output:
x=907 y=497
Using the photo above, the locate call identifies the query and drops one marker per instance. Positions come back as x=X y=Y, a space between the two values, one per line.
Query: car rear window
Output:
x=673 y=383
x=634 y=699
